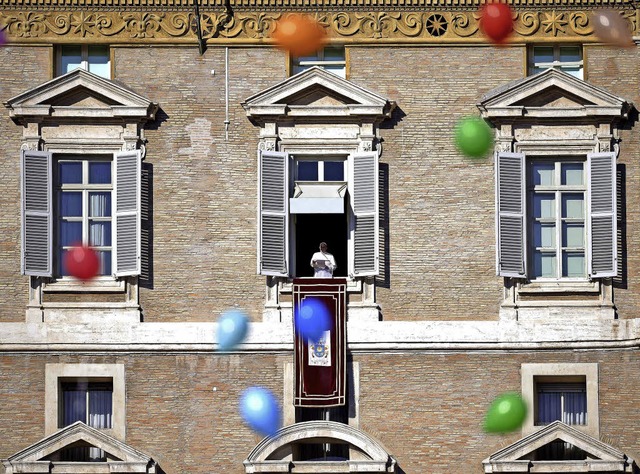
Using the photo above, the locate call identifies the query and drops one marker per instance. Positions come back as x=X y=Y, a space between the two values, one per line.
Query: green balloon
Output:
x=474 y=137
x=506 y=413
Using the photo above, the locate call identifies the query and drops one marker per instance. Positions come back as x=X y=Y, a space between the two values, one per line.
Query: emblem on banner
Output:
x=320 y=350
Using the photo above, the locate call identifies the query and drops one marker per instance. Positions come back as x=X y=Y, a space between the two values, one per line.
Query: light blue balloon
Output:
x=312 y=318
x=260 y=410
x=232 y=329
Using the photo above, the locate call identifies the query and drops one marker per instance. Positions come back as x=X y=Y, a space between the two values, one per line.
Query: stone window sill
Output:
x=353 y=286
x=538 y=288
x=99 y=285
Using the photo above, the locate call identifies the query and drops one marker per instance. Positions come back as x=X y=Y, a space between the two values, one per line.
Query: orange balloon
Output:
x=299 y=34
x=611 y=28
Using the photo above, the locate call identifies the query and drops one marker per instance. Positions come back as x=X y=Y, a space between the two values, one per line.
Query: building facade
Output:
x=205 y=166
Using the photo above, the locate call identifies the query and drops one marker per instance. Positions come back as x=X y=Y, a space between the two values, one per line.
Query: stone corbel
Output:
x=604 y=138
x=504 y=138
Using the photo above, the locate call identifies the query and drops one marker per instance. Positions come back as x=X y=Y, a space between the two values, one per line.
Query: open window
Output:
x=303 y=202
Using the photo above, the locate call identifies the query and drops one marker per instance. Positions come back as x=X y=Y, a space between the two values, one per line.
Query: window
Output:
x=566 y=402
x=331 y=58
x=322 y=451
x=567 y=58
x=557 y=192
x=95 y=200
x=562 y=225
x=92 y=58
x=83 y=196
x=315 y=169
x=90 y=402
x=91 y=393
x=290 y=231
x=87 y=401
x=563 y=392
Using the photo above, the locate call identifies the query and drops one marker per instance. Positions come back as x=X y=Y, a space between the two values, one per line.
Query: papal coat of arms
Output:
x=320 y=350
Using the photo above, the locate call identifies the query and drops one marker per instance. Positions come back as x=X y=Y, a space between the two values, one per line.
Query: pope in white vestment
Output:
x=323 y=263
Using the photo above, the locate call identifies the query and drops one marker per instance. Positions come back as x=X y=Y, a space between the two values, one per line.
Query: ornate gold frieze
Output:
x=309 y=5
x=256 y=27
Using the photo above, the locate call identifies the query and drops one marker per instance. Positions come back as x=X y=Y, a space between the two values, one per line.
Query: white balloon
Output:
x=612 y=28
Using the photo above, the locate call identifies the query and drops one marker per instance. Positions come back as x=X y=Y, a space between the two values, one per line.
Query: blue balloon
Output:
x=260 y=410
x=312 y=318
x=232 y=329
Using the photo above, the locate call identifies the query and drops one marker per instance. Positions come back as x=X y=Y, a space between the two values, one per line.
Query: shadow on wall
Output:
x=146 y=226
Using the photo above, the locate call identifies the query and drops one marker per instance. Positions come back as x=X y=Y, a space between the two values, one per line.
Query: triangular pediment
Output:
x=557 y=442
x=551 y=94
x=317 y=93
x=73 y=436
x=78 y=94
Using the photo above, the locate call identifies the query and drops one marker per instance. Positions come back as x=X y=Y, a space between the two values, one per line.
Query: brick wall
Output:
x=34 y=68
x=425 y=408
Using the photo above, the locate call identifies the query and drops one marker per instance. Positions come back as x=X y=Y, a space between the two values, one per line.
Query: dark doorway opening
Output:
x=311 y=229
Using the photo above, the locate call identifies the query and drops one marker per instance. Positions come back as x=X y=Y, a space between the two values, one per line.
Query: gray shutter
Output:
x=363 y=192
x=37 y=215
x=511 y=228
x=273 y=218
x=602 y=242
x=126 y=228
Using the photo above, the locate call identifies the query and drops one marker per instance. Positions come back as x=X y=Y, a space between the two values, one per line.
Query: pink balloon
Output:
x=611 y=28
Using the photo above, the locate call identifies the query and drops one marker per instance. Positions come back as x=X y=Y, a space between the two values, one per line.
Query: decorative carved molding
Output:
x=440 y=26
x=31 y=145
x=289 y=5
x=267 y=145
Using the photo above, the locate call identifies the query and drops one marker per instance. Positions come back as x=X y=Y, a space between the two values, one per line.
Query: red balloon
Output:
x=496 y=21
x=299 y=34
x=82 y=262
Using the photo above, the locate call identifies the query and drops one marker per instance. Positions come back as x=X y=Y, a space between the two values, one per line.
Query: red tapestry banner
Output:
x=320 y=366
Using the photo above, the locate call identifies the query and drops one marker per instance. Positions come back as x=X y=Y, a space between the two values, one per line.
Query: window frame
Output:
x=84 y=59
x=57 y=374
x=90 y=385
x=295 y=63
x=85 y=188
x=321 y=160
x=558 y=191
x=556 y=63
x=531 y=374
x=578 y=386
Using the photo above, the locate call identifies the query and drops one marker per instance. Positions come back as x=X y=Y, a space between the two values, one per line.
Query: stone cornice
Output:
x=120 y=25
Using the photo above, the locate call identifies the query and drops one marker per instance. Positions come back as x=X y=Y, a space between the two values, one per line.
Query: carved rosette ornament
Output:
x=129 y=26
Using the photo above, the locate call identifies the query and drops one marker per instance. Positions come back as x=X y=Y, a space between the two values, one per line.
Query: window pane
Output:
x=100 y=409
x=74 y=406
x=570 y=54
x=100 y=204
x=573 y=264
x=544 y=235
x=575 y=408
x=573 y=235
x=549 y=407
x=71 y=57
x=63 y=267
x=100 y=234
x=70 y=172
x=575 y=71
x=544 y=265
x=307 y=171
x=572 y=174
x=543 y=54
x=536 y=70
x=543 y=174
x=334 y=170
x=332 y=53
x=99 y=61
x=337 y=70
x=99 y=172
x=573 y=206
x=104 y=256
x=71 y=204
x=70 y=233
x=544 y=206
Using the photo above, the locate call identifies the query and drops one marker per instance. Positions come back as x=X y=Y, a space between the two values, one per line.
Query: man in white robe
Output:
x=323 y=263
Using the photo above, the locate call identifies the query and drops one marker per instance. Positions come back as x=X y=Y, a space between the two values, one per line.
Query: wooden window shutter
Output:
x=37 y=214
x=363 y=193
x=602 y=241
x=511 y=228
x=273 y=209
x=126 y=238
